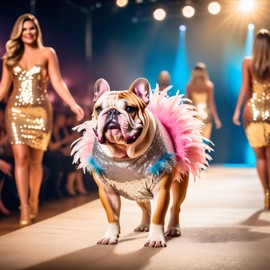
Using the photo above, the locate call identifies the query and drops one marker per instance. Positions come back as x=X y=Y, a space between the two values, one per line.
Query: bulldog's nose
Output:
x=113 y=112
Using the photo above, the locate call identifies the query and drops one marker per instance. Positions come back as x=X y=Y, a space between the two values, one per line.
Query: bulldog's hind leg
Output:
x=179 y=190
x=146 y=216
x=156 y=237
x=112 y=205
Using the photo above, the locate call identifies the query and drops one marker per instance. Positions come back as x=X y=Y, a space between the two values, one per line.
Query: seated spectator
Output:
x=6 y=167
x=65 y=177
x=5 y=170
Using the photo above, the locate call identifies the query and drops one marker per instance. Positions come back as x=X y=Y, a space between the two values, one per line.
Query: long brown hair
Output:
x=15 y=46
x=261 y=54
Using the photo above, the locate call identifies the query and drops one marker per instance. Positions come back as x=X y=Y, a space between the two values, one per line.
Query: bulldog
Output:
x=141 y=145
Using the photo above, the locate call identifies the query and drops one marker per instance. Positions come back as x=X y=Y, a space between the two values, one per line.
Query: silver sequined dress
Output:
x=135 y=178
x=28 y=116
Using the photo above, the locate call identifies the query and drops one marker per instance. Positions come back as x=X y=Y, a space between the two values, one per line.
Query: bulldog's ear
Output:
x=141 y=88
x=101 y=86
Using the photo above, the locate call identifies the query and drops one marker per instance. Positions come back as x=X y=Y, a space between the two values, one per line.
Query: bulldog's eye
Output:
x=98 y=110
x=130 y=109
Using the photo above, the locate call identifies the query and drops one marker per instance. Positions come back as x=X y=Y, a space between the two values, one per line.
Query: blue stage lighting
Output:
x=249 y=155
x=181 y=73
x=251 y=26
x=249 y=39
x=182 y=28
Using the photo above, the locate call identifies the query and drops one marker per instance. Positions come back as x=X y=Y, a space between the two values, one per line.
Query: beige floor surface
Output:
x=223 y=227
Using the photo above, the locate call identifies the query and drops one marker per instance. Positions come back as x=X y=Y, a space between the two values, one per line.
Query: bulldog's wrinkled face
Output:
x=118 y=116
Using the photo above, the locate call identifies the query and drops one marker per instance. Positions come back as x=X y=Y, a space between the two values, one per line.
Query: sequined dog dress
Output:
x=256 y=115
x=28 y=116
x=135 y=178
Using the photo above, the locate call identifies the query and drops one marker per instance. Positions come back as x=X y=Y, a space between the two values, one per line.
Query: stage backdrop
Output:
x=120 y=45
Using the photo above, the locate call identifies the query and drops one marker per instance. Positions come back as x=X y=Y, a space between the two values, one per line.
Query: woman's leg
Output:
x=70 y=182
x=3 y=209
x=21 y=157
x=70 y=172
x=261 y=164
x=267 y=191
x=263 y=167
x=35 y=177
x=268 y=166
x=79 y=183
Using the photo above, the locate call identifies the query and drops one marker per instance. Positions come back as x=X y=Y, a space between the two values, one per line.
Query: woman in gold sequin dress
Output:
x=201 y=91
x=255 y=90
x=28 y=65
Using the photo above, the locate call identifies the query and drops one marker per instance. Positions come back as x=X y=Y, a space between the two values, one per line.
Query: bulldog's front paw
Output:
x=156 y=237
x=111 y=235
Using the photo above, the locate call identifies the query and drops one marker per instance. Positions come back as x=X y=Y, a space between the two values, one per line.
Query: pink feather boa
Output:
x=179 y=119
x=82 y=148
x=183 y=133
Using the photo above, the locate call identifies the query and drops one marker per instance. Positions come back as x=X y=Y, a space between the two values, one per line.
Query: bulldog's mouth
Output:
x=117 y=130
x=112 y=125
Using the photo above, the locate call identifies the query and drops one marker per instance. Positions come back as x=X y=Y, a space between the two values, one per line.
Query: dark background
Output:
x=128 y=43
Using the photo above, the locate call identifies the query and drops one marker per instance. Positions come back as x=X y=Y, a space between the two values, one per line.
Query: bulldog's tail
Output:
x=179 y=119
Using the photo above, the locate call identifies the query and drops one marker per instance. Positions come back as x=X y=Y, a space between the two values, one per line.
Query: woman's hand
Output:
x=6 y=168
x=235 y=118
x=66 y=151
x=78 y=111
x=218 y=124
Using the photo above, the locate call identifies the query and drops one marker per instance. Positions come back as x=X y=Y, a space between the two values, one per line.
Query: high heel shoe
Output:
x=33 y=209
x=267 y=200
x=25 y=216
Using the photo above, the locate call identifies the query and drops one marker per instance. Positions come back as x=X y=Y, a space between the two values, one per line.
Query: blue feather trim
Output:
x=93 y=166
x=166 y=163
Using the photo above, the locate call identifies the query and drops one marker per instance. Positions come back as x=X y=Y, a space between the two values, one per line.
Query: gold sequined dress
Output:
x=200 y=101
x=256 y=115
x=28 y=116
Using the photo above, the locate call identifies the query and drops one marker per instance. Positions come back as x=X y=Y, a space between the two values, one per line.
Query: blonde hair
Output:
x=199 y=75
x=15 y=46
x=261 y=54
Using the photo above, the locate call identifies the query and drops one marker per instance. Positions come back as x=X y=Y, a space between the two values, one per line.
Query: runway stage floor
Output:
x=223 y=227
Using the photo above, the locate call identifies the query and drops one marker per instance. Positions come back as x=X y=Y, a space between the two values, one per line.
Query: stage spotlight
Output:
x=159 y=14
x=121 y=3
x=180 y=71
x=188 y=10
x=214 y=8
x=247 y=5
x=251 y=26
x=249 y=39
x=182 y=28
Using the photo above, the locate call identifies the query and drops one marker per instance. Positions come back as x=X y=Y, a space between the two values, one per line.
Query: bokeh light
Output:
x=188 y=11
x=214 y=8
x=159 y=14
x=121 y=3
